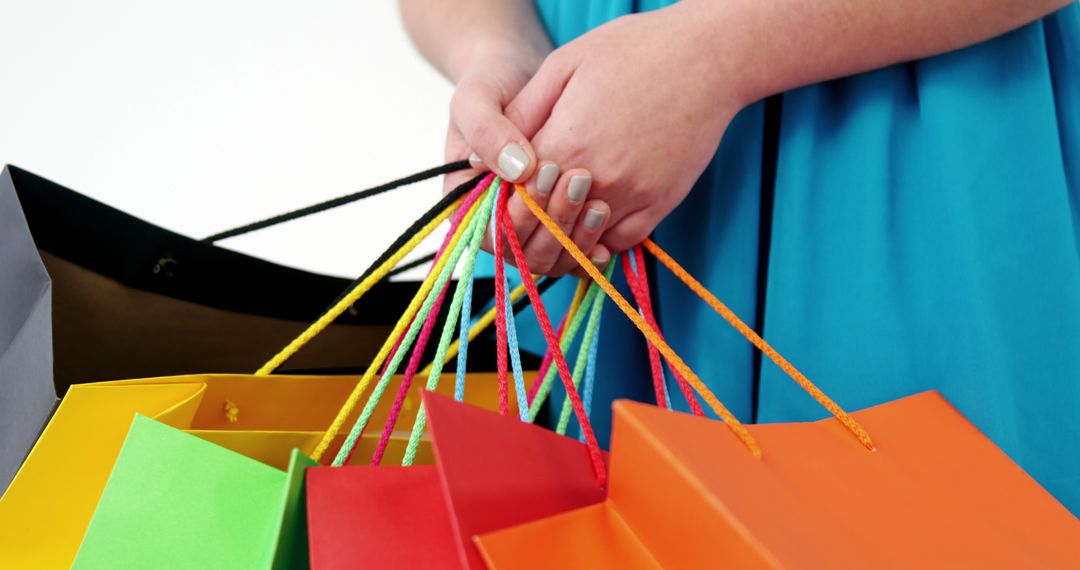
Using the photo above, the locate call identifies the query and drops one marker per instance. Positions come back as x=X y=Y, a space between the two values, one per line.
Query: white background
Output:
x=203 y=115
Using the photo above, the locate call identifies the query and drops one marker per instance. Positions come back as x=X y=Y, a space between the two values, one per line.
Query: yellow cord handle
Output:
x=399 y=328
x=575 y=304
x=363 y=287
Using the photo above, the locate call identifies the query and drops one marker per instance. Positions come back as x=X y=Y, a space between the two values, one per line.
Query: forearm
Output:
x=775 y=45
x=455 y=35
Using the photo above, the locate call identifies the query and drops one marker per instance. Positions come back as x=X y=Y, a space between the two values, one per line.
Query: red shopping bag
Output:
x=491 y=472
x=494 y=471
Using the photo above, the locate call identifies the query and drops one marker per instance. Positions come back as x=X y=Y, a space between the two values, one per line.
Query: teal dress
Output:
x=907 y=229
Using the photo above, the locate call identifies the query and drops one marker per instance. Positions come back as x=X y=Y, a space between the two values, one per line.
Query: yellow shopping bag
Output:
x=44 y=512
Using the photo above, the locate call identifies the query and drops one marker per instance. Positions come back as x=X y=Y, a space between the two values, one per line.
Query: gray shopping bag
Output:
x=27 y=396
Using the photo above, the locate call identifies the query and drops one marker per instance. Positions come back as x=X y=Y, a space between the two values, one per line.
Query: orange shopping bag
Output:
x=929 y=490
x=684 y=494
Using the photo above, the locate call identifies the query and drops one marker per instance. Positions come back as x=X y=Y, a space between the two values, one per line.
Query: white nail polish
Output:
x=513 y=160
x=594 y=218
x=579 y=188
x=545 y=179
x=475 y=161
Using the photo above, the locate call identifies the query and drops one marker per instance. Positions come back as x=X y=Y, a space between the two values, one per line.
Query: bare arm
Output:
x=775 y=45
x=455 y=35
x=638 y=106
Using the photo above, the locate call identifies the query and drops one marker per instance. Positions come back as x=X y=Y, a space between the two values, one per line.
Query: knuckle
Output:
x=542 y=268
x=477 y=134
x=566 y=217
x=541 y=261
x=515 y=115
x=563 y=267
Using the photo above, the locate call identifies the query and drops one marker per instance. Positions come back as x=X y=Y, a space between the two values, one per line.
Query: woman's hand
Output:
x=484 y=89
x=642 y=101
x=639 y=104
x=480 y=129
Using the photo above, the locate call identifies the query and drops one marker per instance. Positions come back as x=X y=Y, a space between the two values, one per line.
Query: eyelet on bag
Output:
x=165 y=266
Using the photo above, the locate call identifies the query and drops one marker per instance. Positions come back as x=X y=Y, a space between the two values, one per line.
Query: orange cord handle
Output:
x=677 y=363
x=733 y=319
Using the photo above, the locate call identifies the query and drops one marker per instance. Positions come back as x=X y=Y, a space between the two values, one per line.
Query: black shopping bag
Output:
x=128 y=299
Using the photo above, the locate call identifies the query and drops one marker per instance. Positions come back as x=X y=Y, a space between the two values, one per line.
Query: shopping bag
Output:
x=176 y=498
x=220 y=404
x=495 y=470
x=134 y=300
x=928 y=490
x=129 y=299
x=44 y=513
x=936 y=493
x=26 y=391
x=491 y=472
x=346 y=507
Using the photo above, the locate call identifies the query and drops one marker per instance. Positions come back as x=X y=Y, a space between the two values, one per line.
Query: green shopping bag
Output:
x=177 y=501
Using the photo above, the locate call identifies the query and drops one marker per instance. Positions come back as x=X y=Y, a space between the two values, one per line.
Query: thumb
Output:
x=476 y=111
x=532 y=106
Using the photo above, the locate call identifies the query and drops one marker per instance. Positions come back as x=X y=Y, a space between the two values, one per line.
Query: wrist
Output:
x=725 y=34
x=495 y=50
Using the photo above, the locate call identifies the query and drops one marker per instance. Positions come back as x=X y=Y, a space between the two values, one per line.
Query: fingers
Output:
x=499 y=139
x=476 y=110
x=586 y=234
x=565 y=206
x=600 y=256
x=539 y=188
x=529 y=110
x=628 y=231
x=532 y=106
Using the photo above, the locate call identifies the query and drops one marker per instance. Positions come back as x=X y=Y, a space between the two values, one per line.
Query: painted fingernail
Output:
x=594 y=218
x=475 y=161
x=545 y=179
x=513 y=160
x=579 y=188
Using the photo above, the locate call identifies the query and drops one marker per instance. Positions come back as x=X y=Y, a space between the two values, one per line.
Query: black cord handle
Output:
x=339 y=201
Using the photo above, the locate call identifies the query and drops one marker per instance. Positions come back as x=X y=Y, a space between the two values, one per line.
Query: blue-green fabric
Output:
x=923 y=235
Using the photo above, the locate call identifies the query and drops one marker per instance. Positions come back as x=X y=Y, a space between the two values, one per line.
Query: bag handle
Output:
x=430 y=319
x=676 y=362
x=443 y=270
x=380 y=268
x=567 y=331
x=507 y=225
x=633 y=264
x=460 y=305
x=437 y=278
x=339 y=201
x=457 y=317
x=449 y=348
x=585 y=364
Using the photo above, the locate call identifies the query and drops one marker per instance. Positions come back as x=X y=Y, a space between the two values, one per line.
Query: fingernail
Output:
x=579 y=188
x=545 y=179
x=599 y=262
x=594 y=218
x=513 y=160
x=475 y=161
